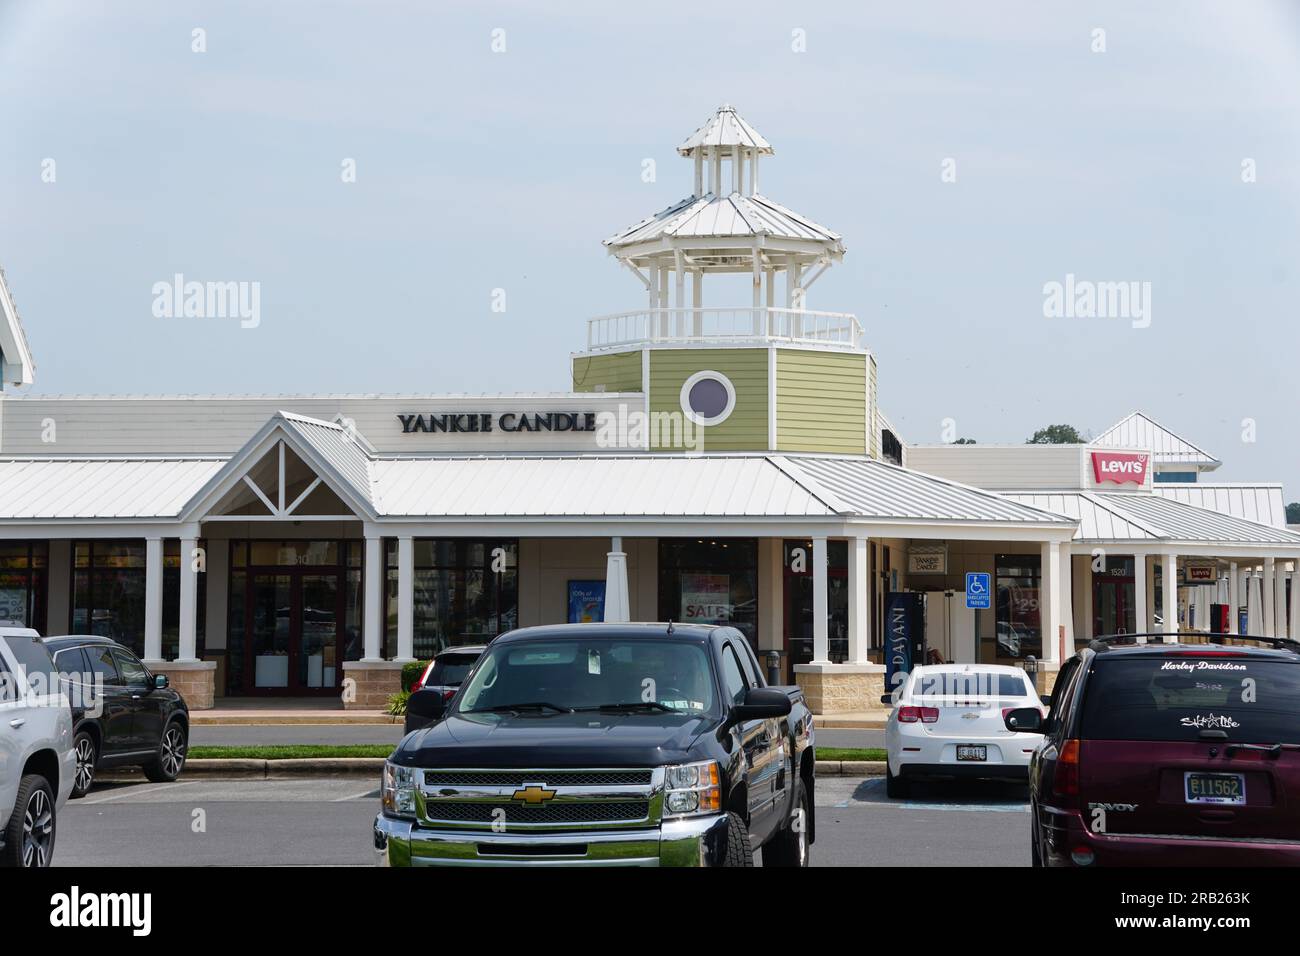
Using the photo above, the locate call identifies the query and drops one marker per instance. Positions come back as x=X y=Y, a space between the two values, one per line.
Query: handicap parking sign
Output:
x=977 y=590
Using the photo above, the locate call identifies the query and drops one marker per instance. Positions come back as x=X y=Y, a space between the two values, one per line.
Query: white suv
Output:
x=37 y=762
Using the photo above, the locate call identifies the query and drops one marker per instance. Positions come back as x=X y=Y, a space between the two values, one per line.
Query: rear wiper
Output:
x=634 y=705
x=1272 y=750
x=534 y=705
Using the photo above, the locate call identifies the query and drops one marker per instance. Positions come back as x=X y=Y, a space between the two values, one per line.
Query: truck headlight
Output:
x=398 y=792
x=692 y=788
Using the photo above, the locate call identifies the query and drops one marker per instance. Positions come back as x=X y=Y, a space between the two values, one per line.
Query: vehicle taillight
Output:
x=929 y=715
x=1066 y=783
x=909 y=715
x=449 y=694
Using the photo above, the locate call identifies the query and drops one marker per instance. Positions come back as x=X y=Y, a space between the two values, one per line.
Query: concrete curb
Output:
x=851 y=768
x=278 y=769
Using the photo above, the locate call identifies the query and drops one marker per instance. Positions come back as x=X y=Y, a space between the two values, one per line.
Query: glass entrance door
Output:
x=293 y=624
x=1114 y=608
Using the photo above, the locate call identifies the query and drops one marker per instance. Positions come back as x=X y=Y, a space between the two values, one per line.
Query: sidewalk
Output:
x=853 y=720
x=285 y=711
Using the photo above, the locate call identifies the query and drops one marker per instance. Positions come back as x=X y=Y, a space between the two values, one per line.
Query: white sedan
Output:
x=947 y=722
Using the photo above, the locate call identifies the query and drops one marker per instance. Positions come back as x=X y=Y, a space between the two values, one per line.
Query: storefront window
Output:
x=108 y=591
x=23 y=582
x=710 y=581
x=1019 y=630
x=466 y=592
x=799 y=602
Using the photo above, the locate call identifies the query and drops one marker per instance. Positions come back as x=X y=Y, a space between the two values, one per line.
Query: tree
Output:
x=964 y=441
x=1293 y=513
x=1056 y=435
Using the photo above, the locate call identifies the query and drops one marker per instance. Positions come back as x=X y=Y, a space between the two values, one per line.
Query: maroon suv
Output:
x=1161 y=754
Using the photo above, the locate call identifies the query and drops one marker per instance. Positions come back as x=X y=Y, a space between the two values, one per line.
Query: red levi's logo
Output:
x=1119 y=467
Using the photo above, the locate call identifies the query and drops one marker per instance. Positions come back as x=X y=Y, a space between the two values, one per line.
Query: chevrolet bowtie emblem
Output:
x=533 y=794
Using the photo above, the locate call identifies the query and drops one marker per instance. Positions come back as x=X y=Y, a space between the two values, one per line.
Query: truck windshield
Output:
x=592 y=674
x=1176 y=698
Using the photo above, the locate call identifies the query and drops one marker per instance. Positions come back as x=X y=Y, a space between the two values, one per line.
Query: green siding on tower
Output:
x=617 y=372
x=746 y=428
x=821 y=401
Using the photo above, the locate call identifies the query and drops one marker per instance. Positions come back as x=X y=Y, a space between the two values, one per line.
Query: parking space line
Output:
x=372 y=792
x=133 y=792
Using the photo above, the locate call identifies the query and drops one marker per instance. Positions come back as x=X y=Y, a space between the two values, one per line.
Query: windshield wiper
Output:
x=653 y=705
x=533 y=705
x=1272 y=750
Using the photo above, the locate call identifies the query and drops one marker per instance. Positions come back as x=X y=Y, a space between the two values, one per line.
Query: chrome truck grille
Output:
x=515 y=801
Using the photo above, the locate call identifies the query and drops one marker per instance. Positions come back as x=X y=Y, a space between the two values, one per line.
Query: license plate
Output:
x=1229 y=788
x=972 y=752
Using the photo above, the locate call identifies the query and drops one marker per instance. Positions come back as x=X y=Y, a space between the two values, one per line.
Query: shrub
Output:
x=397 y=703
x=411 y=673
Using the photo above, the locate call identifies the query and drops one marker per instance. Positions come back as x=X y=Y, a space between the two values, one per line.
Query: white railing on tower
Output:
x=750 y=323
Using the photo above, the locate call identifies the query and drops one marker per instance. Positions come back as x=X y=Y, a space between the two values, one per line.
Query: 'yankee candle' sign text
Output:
x=508 y=422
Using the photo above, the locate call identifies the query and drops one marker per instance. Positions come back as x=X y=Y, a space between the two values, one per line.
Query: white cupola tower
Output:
x=763 y=373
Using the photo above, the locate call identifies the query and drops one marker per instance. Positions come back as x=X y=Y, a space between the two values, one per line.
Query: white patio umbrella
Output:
x=1254 y=603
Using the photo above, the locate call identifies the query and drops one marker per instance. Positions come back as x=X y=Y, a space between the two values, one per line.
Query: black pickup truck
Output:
x=605 y=744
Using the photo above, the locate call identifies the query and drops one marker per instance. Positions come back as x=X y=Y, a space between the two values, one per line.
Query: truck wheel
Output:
x=739 y=852
x=166 y=767
x=895 y=787
x=790 y=846
x=29 y=836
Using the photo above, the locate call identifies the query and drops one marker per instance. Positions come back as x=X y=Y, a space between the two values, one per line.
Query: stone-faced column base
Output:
x=842 y=688
x=376 y=681
x=196 y=680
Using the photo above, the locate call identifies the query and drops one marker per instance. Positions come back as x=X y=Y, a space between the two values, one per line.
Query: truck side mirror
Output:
x=760 y=703
x=427 y=703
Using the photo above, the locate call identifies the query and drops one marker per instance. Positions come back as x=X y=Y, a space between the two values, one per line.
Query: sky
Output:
x=970 y=154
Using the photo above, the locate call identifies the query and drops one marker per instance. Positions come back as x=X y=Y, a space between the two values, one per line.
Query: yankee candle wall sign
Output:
x=507 y=422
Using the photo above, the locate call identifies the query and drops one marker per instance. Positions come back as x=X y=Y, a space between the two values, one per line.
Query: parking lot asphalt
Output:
x=203 y=822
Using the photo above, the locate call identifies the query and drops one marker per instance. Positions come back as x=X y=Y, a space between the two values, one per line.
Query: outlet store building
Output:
x=725 y=464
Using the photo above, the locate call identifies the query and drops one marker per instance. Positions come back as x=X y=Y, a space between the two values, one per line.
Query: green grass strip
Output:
x=289 y=751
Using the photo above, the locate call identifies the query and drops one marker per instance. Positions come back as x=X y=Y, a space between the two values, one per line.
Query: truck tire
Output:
x=739 y=852
x=895 y=787
x=29 y=835
x=83 y=745
x=790 y=846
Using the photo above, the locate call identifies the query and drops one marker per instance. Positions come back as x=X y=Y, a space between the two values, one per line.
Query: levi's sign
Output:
x=1119 y=467
x=507 y=422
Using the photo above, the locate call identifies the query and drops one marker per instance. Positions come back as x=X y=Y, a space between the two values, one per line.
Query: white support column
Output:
x=1254 y=613
x=405 y=599
x=716 y=165
x=617 y=606
x=753 y=187
x=821 y=638
x=1066 y=592
x=1169 y=593
x=1150 y=623
x=189 y=603
x=738 y=171
x=1293 y=631
x=699 y=171
x=1049 y=601
x=1234 y=597
x=1268 y=606
x=373 y=625
x=153 y=594
x=1140 y=595
x=859 y=600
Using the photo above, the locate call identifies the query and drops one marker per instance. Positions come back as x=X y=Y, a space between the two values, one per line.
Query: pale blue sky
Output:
x=478 y=170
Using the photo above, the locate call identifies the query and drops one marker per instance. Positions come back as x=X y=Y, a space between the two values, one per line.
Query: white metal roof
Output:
x=1141 y=516
x=863 y=487
x=1139 y=430
x=18 y=366
x=726 y=127
x=95 y=488
x=343 y=449
x=1262 y=502
x=623 y=486
x=726 y=217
